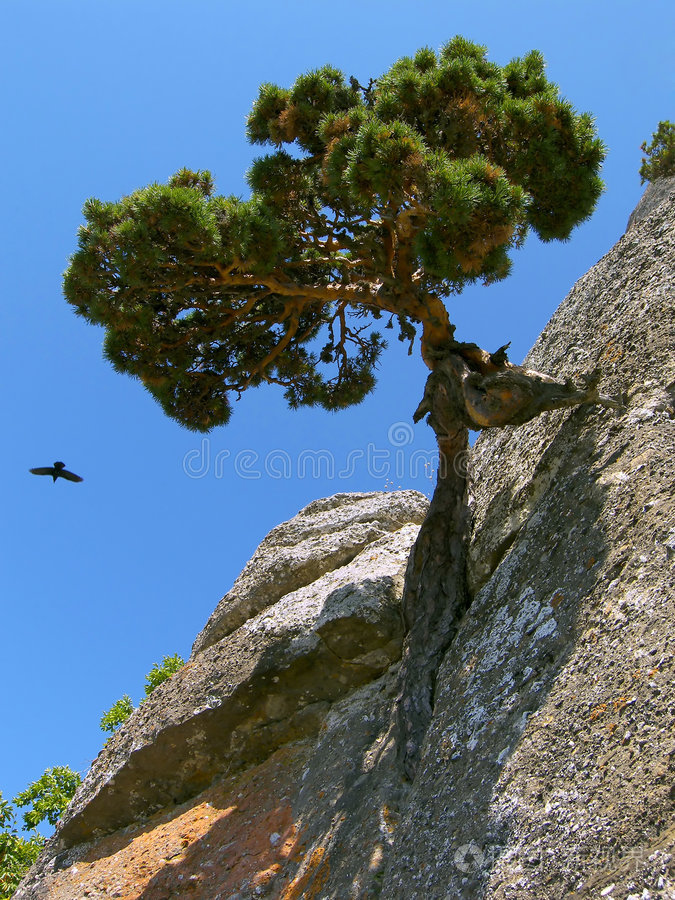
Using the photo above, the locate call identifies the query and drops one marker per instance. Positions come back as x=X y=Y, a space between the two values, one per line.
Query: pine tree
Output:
x=377 y=201
x=659 y=159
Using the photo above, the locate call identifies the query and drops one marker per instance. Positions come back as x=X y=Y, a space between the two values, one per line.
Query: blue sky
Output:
x=102 y=579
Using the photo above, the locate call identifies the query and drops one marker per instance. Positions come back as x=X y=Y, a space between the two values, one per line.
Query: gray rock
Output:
x=549 y=765
x=655 y=194
x=268 y=682
x=531 y=783
x=324 y=535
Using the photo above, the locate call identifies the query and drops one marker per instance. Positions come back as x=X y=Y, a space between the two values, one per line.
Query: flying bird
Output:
x=58 y=470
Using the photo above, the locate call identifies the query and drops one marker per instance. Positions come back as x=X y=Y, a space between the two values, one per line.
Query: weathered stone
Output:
x=313 y=819
x=268 y=683
x=324 y=535
x=551 y=757
x=548 y=768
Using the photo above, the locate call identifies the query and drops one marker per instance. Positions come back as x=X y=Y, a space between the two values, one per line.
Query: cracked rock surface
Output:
x=325 y=535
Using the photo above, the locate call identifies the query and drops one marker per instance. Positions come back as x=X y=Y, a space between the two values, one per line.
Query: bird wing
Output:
x=42 y=470
x=64 y=473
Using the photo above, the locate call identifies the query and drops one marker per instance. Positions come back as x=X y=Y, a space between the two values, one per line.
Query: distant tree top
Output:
x=659 y=161
x=49 y=796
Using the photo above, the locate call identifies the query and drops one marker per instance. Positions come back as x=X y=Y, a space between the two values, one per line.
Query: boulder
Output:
x=272 y=679
x=323 y=536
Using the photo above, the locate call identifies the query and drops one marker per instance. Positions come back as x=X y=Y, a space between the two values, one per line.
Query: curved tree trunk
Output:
x=468 y=388
x=435 y=596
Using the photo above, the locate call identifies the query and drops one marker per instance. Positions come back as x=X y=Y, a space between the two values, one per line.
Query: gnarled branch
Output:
x=485 y=390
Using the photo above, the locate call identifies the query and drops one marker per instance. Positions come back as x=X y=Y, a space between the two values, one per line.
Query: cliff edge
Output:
x=265 y=767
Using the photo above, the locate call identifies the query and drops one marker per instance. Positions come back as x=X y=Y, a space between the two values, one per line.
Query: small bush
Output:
x=118 y=713
x=48 y=797
x=17 y=855
x=161 y=673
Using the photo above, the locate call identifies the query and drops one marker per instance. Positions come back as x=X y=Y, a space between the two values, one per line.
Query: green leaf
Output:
x=49 y=796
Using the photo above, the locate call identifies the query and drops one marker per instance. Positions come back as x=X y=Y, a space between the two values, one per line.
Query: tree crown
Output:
x=374 y=201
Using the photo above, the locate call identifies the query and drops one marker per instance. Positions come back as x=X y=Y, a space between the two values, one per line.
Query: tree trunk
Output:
x=468 y=388
x=435 y=596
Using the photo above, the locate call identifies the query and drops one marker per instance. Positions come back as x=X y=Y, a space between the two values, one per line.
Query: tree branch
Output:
x=259 y=368
x=485 y=391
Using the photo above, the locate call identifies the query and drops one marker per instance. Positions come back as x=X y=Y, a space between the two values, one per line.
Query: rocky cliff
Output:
x=265 y=767
x=549 y=767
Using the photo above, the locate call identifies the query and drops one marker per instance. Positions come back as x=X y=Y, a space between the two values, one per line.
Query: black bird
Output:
x=58 y=470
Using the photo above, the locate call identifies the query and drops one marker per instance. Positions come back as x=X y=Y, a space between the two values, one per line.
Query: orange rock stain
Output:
x=239 y=832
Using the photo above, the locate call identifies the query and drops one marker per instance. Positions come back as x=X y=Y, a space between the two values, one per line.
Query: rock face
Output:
x=549 y=766
x=657 y=192
x=265 y=767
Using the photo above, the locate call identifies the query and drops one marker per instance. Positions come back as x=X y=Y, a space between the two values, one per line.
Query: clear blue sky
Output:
x=102 y=579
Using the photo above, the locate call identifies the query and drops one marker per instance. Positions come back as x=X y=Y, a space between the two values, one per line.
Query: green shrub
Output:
x=161 y=673
x=17 y=855
x=118 y=713
x=48 y=797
